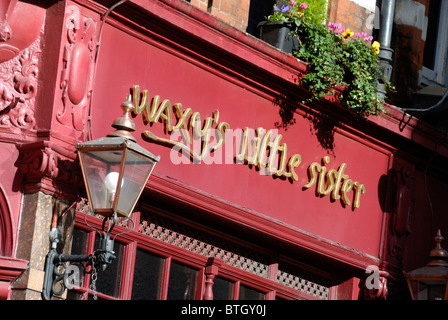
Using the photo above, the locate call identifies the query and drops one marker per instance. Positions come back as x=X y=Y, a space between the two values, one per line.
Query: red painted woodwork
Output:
x=163 y=72
x=10 y=269
x=79 y=50
x=6 y=228
x=187 y=61
x=57 y=90
x=16 y=33
x=211 y=270
x=78 y=80
x=10 y=201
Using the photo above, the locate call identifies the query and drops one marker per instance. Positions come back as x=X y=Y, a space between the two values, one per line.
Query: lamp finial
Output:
x=438 y=255
x=124 y=125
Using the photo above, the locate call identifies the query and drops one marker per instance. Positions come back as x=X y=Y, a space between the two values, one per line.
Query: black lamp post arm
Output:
x=59 y=275
x=56 y=277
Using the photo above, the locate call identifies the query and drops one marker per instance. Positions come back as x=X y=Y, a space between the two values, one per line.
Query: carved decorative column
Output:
x=400 y=224
x=78 y=65
x=399 y=213
x=50 y=167
x=211 y=270
x=45 y=93
x=52 y=182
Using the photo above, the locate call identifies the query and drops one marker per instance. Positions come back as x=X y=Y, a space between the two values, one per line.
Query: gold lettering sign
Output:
x=260 y=148
x=334 y=182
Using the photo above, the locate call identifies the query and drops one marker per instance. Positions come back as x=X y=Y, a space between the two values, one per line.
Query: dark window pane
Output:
x=182 y=284
x=430 y=50
x=73 y=295
x=79 y=246
x=108 y=281
x=247 y=293
x=79 y=243
x=147 y=276
x=222 y=289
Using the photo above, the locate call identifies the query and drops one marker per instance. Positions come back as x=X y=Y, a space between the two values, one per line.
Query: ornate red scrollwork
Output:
x=19 y=59
x=17 y=33
x=374 y=286
x=18 y=87
x=48 y=161
x=78 y=66
x=6 y=9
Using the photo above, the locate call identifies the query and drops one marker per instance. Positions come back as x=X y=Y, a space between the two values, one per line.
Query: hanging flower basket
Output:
x=336 y=57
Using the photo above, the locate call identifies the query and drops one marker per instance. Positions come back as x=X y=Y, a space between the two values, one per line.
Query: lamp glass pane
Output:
x=428 y=289
x=135 y=175
x=101 y=169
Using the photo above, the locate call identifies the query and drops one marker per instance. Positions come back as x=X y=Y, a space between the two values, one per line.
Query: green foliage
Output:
x=317 y=11
x=337 y=59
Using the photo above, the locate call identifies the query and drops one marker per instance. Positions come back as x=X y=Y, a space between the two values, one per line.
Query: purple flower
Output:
x=285 y=8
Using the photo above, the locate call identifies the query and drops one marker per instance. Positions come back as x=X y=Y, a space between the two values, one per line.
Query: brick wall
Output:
x=234 y=12
x=354 y=16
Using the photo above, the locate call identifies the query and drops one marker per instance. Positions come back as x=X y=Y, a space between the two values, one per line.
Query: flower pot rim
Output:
x=263 y=23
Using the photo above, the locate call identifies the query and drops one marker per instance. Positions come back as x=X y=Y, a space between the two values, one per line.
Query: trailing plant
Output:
x=339 y=60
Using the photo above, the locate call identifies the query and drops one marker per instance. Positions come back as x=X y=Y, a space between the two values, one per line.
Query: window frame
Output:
x=438 y=75
x=134 y=240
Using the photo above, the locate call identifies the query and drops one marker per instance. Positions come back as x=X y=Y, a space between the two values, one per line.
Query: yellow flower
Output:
x=300 y=14
x=376 y=47
x=347 y=34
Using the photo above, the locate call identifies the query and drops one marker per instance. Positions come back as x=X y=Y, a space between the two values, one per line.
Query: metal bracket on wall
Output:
x=59 y=275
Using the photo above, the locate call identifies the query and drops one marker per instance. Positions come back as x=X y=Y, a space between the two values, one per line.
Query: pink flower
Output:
x=362 y=35
x=333 y=27
x=303 y=6
x=293 y=3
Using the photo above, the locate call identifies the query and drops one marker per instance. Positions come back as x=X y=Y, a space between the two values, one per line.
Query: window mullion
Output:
x=236 y=290
x=210 y=272
x=128 y=270
x=165 y=279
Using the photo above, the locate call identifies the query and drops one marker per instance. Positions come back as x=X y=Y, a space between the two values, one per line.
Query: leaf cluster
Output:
x=336 y=62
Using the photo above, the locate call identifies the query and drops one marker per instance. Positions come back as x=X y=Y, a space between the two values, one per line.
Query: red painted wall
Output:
x=125 y=61
x=187 y=56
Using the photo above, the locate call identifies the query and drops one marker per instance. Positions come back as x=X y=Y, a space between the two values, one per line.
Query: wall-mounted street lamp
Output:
x=115 y=171
x=431 y=281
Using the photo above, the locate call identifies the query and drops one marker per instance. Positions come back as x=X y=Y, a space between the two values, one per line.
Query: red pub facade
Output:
x=256 y=195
